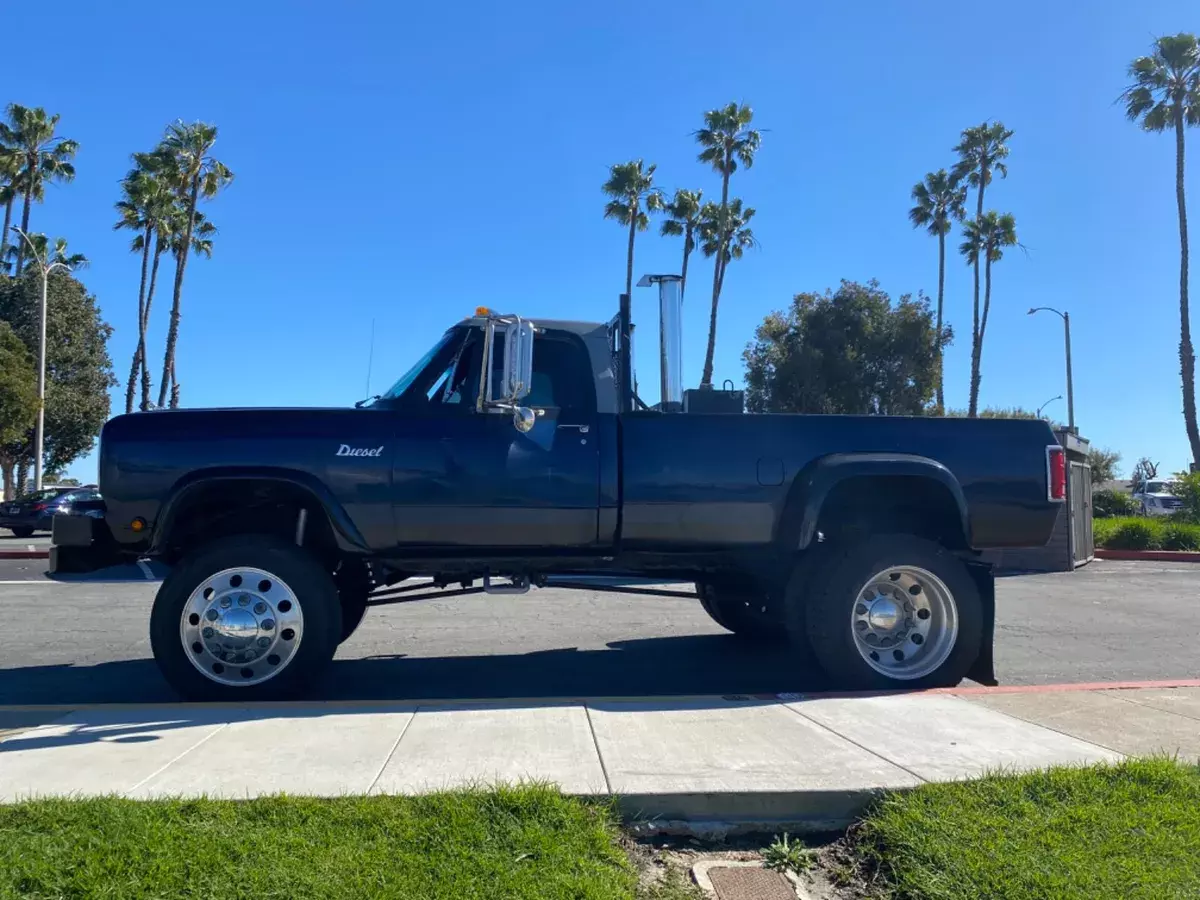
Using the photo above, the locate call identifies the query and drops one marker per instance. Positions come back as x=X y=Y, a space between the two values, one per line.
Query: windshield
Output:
x=47 y=494
x=1160 y=487
x=411 y=375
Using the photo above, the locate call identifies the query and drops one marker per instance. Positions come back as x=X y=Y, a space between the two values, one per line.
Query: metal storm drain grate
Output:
x=744 y=883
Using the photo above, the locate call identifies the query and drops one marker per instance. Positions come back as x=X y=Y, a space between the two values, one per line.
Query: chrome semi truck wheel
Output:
x=246 y=618
x=892 y=611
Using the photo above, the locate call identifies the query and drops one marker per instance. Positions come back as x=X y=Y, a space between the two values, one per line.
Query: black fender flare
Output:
x=814 y=482
x=345 y=532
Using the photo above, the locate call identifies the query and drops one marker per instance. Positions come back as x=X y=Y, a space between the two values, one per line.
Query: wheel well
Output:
x=209 y=510
x=909 y=504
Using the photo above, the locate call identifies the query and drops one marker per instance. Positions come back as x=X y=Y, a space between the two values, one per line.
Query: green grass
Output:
x=1136 y=533
x=1129 y=831
x=516 y=842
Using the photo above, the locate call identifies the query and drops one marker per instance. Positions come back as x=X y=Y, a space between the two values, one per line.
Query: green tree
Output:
x=986 y=237
x=18 y=398
x=939 y=202
x=630 y=187
x=44 y=156
x=982 y=151
x=726 y=140
x=1166 y=94
x=195 y=174
x=851 y=351
x=1104 y=464
x=78 y=369
x=683 y=218
x=148 y=207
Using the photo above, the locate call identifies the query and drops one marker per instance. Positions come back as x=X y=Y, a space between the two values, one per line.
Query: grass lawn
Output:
x=516 y=842
x=1124 y=831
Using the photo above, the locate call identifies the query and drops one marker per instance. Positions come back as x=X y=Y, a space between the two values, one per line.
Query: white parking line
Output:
x=146 y=570
x=30 y=581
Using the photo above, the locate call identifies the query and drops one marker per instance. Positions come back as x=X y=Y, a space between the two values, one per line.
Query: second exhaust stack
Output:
x=670 y=339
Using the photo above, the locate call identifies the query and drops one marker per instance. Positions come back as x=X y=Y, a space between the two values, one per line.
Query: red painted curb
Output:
x=24 y=554
x=1150 y=555
x=983 y=689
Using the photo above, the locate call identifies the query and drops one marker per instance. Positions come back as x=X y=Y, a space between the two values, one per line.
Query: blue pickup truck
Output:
x=513 y=451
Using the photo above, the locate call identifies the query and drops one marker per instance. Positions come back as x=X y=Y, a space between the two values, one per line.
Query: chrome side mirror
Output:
x=524 y=419
x=517 y=364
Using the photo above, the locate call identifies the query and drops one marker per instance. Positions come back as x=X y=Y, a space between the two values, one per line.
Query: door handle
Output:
x=582 y=429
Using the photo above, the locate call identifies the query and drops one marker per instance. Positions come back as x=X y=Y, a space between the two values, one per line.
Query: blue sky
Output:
x=404 y=163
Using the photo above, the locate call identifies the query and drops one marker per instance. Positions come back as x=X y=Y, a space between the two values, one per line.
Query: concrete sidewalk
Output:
x=810 y=763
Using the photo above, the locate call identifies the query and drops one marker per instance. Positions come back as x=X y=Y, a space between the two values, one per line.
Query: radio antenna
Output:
x=370 y=358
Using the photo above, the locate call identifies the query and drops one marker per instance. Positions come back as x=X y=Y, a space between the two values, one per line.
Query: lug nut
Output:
x=264 y=642
x=226 y=603
x=212 y=615
x=243 y=600
x=267 y=624
x=207 y=632
x=260 y=608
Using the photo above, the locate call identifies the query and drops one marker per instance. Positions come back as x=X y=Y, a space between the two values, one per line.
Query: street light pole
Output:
x=39 y=434
x=1066 y=317
x=1047 y=403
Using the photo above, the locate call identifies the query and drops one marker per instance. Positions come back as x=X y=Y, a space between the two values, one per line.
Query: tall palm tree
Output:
x=10 y=168
x=195 y=174
x=683 y=218
x=981 y=151
x=726 y=140
x=1166 y=94
x=44 y=157
x=630 y=185
x=725 y=235
x=145 y=208
x=43 y=251
x=203 y=233
x=985 y=237
x=940 y=201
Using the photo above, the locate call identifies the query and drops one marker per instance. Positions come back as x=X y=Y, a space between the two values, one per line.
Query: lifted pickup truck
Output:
x=514 y=451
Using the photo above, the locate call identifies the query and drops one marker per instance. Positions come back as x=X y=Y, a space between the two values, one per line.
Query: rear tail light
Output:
x=1056 y=473
x=38 y=507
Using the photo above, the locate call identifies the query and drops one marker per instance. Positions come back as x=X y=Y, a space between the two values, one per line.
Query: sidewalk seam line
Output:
x=1073 y=737
x=1169 y=712
x=159 y=771
x=599 y=754
x=392 y=752
x=890 y=762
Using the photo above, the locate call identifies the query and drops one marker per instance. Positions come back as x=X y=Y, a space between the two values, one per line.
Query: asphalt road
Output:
x=85 y=641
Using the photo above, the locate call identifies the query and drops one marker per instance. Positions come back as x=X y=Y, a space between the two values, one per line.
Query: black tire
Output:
x=22 y=532
x=741 y=612
x=819 y=609
x=311 y=584
x=354 y=585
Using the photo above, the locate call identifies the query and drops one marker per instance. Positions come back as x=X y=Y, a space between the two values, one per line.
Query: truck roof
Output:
x=582 y=329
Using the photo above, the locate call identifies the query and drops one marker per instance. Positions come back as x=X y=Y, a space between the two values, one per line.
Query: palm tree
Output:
x=986 y=237
x=630 y=185
x=43 y=157
x=981 y=151
x=939 y=202
x=194 y=174
x=727 y=140
x=10 y=168
x=724 y=234
x=58 y=255
x=1166 y=94
x=146 y=208
x=203 y=233
x=683 y=218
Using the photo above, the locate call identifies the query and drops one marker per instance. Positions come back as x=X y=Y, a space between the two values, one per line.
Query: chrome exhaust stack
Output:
x=670 y=339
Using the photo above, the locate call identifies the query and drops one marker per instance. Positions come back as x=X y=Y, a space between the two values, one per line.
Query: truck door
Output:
x=469 y=479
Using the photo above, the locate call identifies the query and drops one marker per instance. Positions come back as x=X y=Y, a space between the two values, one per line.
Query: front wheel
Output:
x=893 y=611
x=246 y=618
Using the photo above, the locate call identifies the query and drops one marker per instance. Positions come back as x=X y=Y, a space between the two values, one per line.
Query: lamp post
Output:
x=39 y=433
x=1047 y=403
x=1066 y=317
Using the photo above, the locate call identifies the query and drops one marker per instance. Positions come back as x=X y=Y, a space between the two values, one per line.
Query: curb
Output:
x=32 y=554
x=1190 y=556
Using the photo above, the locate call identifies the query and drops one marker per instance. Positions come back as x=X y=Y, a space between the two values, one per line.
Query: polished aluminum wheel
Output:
x=241 y=626
x=905 y=622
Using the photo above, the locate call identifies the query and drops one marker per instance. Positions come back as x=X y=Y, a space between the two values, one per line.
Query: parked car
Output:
x=1157 y=498
x=36 y=511
x=512 y=453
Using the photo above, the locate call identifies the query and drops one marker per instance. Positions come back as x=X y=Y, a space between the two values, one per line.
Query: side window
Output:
x=562 y=374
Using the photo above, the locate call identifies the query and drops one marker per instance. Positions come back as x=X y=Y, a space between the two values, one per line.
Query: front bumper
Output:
x=81 y=544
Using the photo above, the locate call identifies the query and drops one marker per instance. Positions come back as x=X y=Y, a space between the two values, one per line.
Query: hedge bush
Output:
x=1129 y=533
x=1106 y=504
